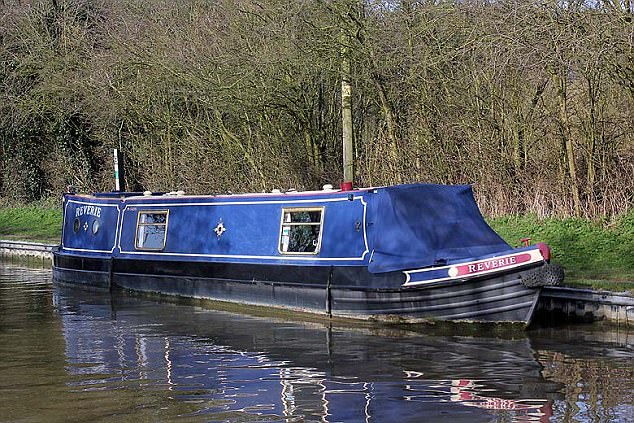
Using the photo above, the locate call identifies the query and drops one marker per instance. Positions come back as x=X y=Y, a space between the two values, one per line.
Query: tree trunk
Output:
x=346 y=110
x=562 y=86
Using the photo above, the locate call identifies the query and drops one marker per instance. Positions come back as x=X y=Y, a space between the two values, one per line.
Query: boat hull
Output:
x=338 y=291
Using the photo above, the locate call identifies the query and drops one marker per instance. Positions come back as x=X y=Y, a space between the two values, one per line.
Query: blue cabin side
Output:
x=247 y=229
x=89 y=225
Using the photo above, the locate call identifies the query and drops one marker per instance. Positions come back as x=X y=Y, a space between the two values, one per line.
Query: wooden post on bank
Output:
x=346 y=112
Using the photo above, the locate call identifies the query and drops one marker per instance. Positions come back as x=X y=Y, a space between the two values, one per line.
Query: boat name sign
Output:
x=472 y=268
x=496 y=263
x=89 y=210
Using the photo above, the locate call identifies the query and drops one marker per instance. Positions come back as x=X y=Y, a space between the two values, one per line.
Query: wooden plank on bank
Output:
x=26 y=249
x=557 y=303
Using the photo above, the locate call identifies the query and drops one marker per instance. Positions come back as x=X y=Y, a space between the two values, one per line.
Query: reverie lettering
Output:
x=492 y=264
x=89 y=210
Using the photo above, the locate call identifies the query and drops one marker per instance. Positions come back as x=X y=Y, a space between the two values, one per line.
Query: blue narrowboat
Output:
x=404 y=253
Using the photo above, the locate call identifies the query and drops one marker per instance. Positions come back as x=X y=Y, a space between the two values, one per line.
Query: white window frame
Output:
x=285 y=210
x=139 y=224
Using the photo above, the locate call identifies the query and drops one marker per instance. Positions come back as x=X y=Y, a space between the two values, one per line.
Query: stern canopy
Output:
x=422 y=225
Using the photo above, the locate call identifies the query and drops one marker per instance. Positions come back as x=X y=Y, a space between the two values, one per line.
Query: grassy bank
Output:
x=595 y=254
x=37 y=224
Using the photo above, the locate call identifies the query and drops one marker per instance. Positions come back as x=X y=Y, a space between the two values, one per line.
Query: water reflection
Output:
x=596 y=368
x=118 y=357
x=240 y=366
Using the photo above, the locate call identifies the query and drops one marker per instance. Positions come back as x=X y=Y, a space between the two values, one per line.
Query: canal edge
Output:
x=563 y=302
x=31 y=251
x=558 y=303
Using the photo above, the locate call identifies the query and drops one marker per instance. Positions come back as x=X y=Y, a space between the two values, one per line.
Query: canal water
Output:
x=72 y=355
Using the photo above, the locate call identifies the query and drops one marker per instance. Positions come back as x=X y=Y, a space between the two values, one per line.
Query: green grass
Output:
x=602 y=285
x=599 y=255
x=31 y=224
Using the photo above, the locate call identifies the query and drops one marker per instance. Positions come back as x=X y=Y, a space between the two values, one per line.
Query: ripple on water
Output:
x=73 y=355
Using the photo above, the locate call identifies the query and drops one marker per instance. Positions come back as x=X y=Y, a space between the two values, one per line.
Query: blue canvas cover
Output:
x=421 y=225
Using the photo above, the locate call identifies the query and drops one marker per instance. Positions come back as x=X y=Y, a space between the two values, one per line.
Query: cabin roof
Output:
x=148 y=195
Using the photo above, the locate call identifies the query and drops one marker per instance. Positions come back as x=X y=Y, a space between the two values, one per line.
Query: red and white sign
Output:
x=472 y=268
x=489 y=264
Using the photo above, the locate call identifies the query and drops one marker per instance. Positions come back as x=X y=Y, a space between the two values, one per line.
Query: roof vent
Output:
x=275 y=191
x=327 y=187
x=147 y=193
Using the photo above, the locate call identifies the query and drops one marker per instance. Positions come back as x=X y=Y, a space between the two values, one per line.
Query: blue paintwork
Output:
x=85 y=241
x=252 y=228
x=385 y=229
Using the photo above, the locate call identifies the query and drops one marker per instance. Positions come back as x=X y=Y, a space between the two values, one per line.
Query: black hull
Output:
x=350 y=292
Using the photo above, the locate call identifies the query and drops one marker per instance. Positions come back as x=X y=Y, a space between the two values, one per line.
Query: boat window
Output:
x=76 y=225
x=95 y=226
x=301 y=231
x=151 y=230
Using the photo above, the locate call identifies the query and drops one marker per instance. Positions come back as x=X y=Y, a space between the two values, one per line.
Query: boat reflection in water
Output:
x=227 y=366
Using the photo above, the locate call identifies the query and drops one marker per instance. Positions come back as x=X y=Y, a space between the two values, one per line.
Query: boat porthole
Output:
x=95 y=227
x=76 y=225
